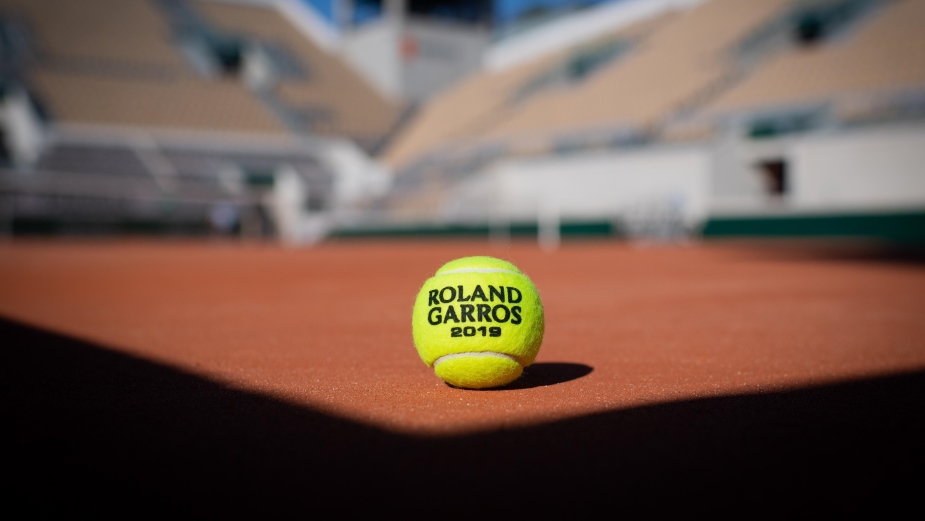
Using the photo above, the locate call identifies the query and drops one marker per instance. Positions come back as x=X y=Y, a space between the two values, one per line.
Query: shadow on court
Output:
x=89 y=430
x=911 y=254
x=542 y=374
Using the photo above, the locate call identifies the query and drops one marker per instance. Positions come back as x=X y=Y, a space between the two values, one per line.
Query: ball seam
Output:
x=476 y=353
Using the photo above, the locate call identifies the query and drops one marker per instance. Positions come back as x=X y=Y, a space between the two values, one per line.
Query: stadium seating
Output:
x=119 y=31
x=155 y=110
x=667 y=65
x=245 y=69
x=350 y=106
x=886 y=54
x=670 y=68
x=680 y=74
x=694 y=75
x=680 y=53
x=114 y=63
x=122 y=63
x=485 y=101
x=188 y=103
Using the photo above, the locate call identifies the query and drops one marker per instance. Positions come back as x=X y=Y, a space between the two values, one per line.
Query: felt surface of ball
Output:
x=478 y=322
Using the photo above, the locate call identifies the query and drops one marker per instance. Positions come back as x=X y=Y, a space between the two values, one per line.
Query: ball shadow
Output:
x=542 y=374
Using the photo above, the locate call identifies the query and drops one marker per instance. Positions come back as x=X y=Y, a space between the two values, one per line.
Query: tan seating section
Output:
x=357 y=110
x=119 y=30
x=677 y=56
x=461 y=112
x=185 y=103
x=887 y=53
x=115 y=62
x=471 y=109
x=672 y=66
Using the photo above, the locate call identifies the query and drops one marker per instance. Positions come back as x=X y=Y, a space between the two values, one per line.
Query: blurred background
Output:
x=295 y=121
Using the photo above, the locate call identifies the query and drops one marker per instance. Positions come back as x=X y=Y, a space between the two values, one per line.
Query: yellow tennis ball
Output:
x=478 y=322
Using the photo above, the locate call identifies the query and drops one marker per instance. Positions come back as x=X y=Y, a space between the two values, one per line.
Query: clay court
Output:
x=222 y=379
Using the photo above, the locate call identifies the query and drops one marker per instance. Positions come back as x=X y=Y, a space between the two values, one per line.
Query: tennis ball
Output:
x=478 y=322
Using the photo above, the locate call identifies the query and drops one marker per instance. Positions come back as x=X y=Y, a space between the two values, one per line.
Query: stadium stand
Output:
x=326 y=91
x=678 y=53
x=598 y=93
x=666 y=72
x=186 y=116
x=885 y=55
x=480 y=103
x=693 y=104
x=112 y=62
x=454 y=135
x=721 y=80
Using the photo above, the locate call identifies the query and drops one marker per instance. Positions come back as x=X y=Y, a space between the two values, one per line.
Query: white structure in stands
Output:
x=575 y=30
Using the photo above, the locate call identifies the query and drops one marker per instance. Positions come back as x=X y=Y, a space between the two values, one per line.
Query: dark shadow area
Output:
x=91 y=431
x=846 y=250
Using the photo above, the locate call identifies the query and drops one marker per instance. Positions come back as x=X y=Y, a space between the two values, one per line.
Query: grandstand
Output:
x=730 y=117
x=180 y=116
x=635 y=118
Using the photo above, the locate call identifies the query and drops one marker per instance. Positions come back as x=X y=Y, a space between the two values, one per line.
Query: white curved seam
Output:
x=474 y=353
x=480 y=270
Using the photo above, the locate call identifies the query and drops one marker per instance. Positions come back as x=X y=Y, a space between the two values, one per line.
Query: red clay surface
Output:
x=327 y=329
